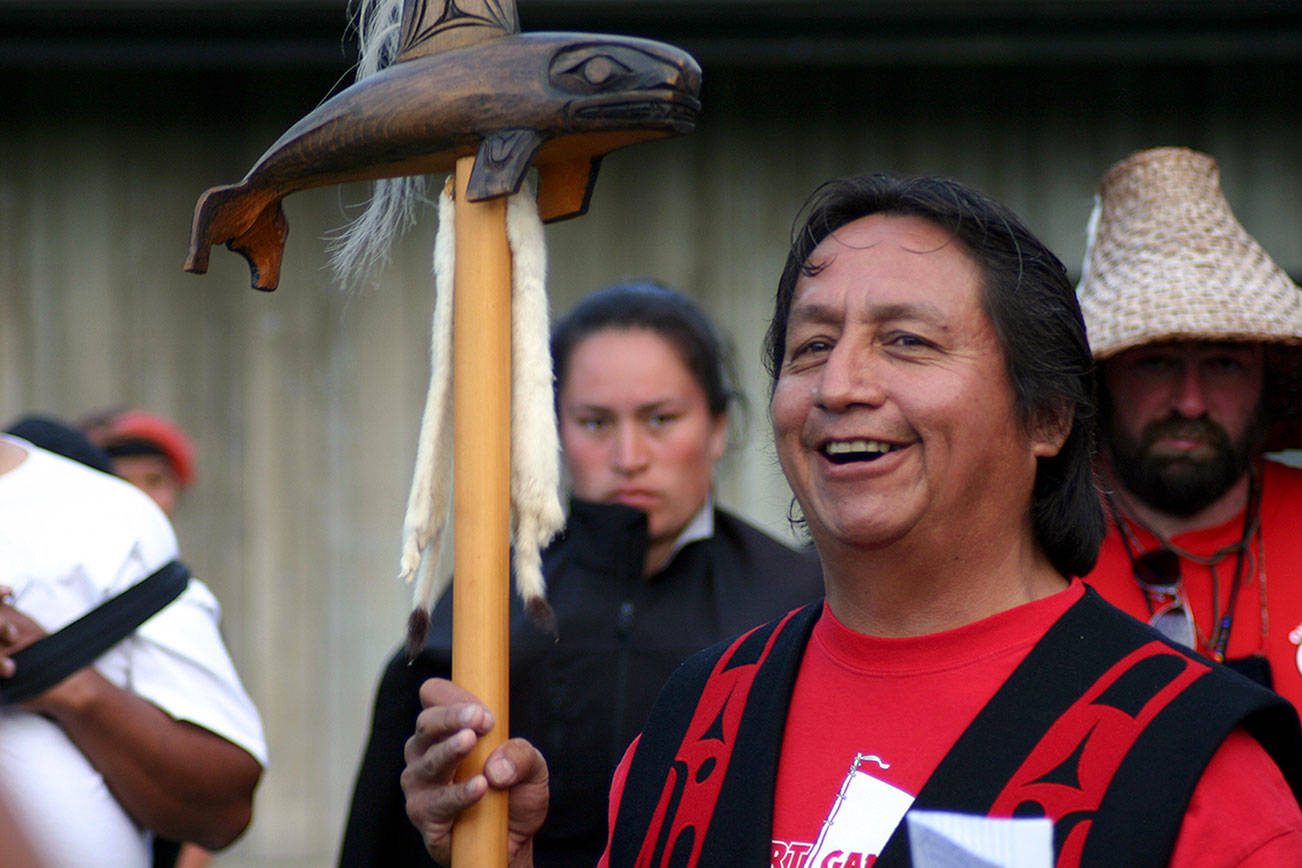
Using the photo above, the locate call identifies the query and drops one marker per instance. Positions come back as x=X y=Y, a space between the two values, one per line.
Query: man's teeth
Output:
x=856 y=450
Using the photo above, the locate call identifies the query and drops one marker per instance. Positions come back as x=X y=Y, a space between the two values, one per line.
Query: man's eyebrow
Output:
x=813 y=312
x=916 y=310
x=818 y=313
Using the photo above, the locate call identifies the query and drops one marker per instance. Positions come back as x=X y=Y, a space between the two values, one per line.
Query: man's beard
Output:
x=1182 y=485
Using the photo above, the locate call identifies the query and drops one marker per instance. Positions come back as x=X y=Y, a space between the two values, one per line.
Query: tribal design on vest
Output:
x=1068 y=773
x=694 y=780
x=1103 y=728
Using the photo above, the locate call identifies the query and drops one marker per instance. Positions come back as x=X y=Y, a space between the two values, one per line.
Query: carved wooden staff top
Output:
x=467 y=93
x=465 y=82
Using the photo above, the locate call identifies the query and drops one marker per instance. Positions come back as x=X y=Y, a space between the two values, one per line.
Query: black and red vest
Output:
x=1104 y=728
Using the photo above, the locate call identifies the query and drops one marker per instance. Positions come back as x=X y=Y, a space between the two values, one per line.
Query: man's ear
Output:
x=1050 y=429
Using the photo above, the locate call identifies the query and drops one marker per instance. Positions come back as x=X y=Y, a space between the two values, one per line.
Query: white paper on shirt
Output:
x=943 y=839
x=864 y=815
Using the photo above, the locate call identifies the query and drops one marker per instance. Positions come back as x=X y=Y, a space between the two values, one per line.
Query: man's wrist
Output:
x=74 y=697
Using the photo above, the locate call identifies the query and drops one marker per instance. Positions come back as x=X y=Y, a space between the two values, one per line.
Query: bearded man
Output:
x=1195 y=330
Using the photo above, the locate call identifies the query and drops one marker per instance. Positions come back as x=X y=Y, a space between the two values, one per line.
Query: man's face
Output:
x=152 y=474
x=892 y=413
x=1184 y=419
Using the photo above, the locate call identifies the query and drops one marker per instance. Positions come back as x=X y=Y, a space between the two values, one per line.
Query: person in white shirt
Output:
x=158 y=736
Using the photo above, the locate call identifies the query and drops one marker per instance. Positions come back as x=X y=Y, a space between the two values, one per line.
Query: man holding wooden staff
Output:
x=650 y=570
x=933 y=410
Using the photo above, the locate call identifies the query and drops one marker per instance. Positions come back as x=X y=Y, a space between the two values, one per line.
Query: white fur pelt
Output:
x=536 y=511
x=427 y=504
x=361 y=248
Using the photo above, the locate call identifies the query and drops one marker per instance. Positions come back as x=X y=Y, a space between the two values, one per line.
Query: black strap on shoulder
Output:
x=745 y=804
x=658 y=781
x=53 y=658
x=1167 y=751
x=1100 y=685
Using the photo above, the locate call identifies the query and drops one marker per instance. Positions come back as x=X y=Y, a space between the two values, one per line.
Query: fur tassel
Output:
x=537 y=514
x=417 y=630
x=378 y=24
x=427 y=504
x=536 y=511
x=357 y=252
x=362 y=247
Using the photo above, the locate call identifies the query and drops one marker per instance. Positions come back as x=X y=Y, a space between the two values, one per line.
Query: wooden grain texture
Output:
x=481 y=425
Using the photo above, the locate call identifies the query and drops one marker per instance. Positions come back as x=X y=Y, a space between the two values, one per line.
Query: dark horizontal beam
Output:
x=313 y=33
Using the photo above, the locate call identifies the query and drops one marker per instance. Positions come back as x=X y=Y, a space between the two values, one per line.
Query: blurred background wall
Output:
x=115 y=115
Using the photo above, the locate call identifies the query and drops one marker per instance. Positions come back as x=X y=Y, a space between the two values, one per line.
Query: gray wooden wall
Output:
x=305 y=403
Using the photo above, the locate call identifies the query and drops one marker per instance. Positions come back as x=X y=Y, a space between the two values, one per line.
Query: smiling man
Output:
x=932 y=407
x=1196 y=332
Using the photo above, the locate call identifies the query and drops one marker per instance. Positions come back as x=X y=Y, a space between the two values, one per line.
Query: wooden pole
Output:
x=481 y=400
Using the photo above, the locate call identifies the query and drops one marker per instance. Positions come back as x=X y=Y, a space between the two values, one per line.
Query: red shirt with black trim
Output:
x=871 y=718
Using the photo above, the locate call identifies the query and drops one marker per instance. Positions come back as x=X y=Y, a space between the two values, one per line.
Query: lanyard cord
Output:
x=1222 y=624
x=1251 y=522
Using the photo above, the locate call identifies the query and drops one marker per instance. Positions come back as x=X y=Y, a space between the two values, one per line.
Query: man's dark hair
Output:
x=1027 y=295
x=668 y=313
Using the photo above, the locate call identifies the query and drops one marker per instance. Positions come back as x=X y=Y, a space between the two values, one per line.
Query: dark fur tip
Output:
x=417 y=630
x=542 y=616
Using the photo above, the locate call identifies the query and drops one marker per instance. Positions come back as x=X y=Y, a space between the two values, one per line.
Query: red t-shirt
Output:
x=1273 y=574
x=871 y=718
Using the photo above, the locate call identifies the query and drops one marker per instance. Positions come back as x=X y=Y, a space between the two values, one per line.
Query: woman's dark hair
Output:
x=1028 y=297
x=668 y=313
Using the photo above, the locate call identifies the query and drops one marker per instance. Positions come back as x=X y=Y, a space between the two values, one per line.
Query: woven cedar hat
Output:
x=1167 y=260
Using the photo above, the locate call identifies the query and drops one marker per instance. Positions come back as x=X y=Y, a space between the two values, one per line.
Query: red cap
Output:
x=143 y=427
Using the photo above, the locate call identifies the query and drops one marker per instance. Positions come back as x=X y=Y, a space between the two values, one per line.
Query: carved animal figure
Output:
x=558 y=101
